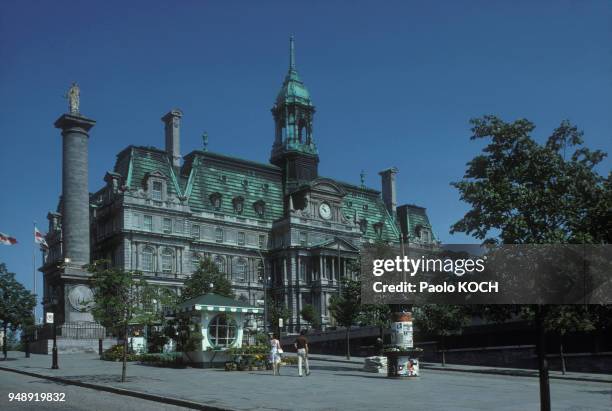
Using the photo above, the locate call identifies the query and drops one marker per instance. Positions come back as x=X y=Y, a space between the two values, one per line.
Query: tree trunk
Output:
x=443 y=351
x=348 y=342
x=562 y=355
x=542 y=361
x=4 y=336
x=125 y=347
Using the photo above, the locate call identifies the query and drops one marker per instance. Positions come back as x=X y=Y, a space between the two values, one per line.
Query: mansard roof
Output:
x=411 y=217
x=365 y=204
x=205 y=173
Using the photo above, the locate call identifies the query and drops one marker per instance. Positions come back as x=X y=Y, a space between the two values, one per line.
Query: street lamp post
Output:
x=265 y=287
x=54 y=365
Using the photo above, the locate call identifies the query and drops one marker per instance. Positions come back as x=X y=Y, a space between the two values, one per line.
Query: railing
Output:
x=73 y=330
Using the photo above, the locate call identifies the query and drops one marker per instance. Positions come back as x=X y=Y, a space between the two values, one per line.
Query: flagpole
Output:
x=34 y=271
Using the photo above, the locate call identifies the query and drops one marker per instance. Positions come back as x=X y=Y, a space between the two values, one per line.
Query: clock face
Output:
x=325 y=211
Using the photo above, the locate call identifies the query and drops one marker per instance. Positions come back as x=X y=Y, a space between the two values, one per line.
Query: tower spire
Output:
x=291 y=53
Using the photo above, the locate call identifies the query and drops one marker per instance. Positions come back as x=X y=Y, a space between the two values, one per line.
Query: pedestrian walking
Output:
x=275 y=354
x=301 y=344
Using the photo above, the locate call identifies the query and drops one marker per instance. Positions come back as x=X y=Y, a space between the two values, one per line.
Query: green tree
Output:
x=346 y=307
x=16 y=305
x=563 y=319
x=527 y=193
x=206 y=279
x=523 y=192
x=121 y=298
x=310 y=315
x=441 y=320
x=375 y=314
x=277 y=310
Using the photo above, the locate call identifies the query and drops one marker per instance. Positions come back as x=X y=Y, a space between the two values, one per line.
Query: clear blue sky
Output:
x=395 y=83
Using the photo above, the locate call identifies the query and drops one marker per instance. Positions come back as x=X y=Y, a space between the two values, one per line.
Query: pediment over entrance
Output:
x=334 y=244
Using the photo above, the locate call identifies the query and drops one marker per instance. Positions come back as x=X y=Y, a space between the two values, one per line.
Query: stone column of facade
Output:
x=320 y=267
x=333 y=268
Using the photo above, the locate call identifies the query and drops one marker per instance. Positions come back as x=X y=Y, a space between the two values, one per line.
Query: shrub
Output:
x=174 y=359
x=293 y=360
x=115 y=353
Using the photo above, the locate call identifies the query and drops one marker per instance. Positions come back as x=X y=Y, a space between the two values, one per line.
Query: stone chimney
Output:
x=172 y=127
x=389 y=194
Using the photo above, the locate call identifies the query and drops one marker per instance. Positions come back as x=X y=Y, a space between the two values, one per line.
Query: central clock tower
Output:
x=294 y=150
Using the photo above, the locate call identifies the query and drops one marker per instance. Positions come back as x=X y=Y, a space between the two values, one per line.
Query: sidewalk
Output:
x=516 y=372
x=334 y=384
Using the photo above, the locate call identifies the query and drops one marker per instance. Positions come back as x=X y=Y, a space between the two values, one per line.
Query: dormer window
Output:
x=365 y=207
x=260 y=208
x=155 y=185
x=223 y=179
x=238 y=203
x=378 y=229
x=363 y=225
x=156 y=190
x=215 y=200
x=265 y=187
x=245 y=183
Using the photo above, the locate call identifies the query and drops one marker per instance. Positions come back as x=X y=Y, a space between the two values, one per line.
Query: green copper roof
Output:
x=134 y=163
x=366 y=204
x=213 y=174
x=411 y=217
x=293 y=89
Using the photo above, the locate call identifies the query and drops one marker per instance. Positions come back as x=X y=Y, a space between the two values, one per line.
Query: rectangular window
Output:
x=195 y=231
x=148 y=223
x=135 y=220
x=302 y=271
x=167 y=262
x=147 y=260
x=262 y=241
x=178 y=226
x=167 y=225
x=240 y=238
x=218 y=235
x=156 y=191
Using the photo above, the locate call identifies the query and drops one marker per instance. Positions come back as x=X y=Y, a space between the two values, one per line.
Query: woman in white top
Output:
x=275 y=354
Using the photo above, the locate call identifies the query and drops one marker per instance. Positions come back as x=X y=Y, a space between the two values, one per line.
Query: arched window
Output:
x=220 y=262
x=219 y=234
x=241 y=268
x=167 y=260
x=147 y=260
x=222 y=331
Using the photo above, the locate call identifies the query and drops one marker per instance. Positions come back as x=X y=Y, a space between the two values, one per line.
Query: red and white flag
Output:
x=7 y=239
x=39 y=238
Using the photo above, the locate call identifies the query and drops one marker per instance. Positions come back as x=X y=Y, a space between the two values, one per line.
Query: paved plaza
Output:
x=331 y=386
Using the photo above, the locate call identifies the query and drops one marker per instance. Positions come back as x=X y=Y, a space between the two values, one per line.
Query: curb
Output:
x=120 y=391
x=490 y=372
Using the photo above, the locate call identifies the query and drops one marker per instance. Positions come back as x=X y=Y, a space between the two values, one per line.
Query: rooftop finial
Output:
x=205 y=141
x=291 y=53
x=362 y=177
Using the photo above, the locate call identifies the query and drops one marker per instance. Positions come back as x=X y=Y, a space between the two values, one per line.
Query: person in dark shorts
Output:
x=301 y=344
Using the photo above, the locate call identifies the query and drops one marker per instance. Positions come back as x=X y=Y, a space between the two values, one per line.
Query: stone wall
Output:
x=70 y=346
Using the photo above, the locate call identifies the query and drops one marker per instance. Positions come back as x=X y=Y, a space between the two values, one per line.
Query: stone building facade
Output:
x=278 y=230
